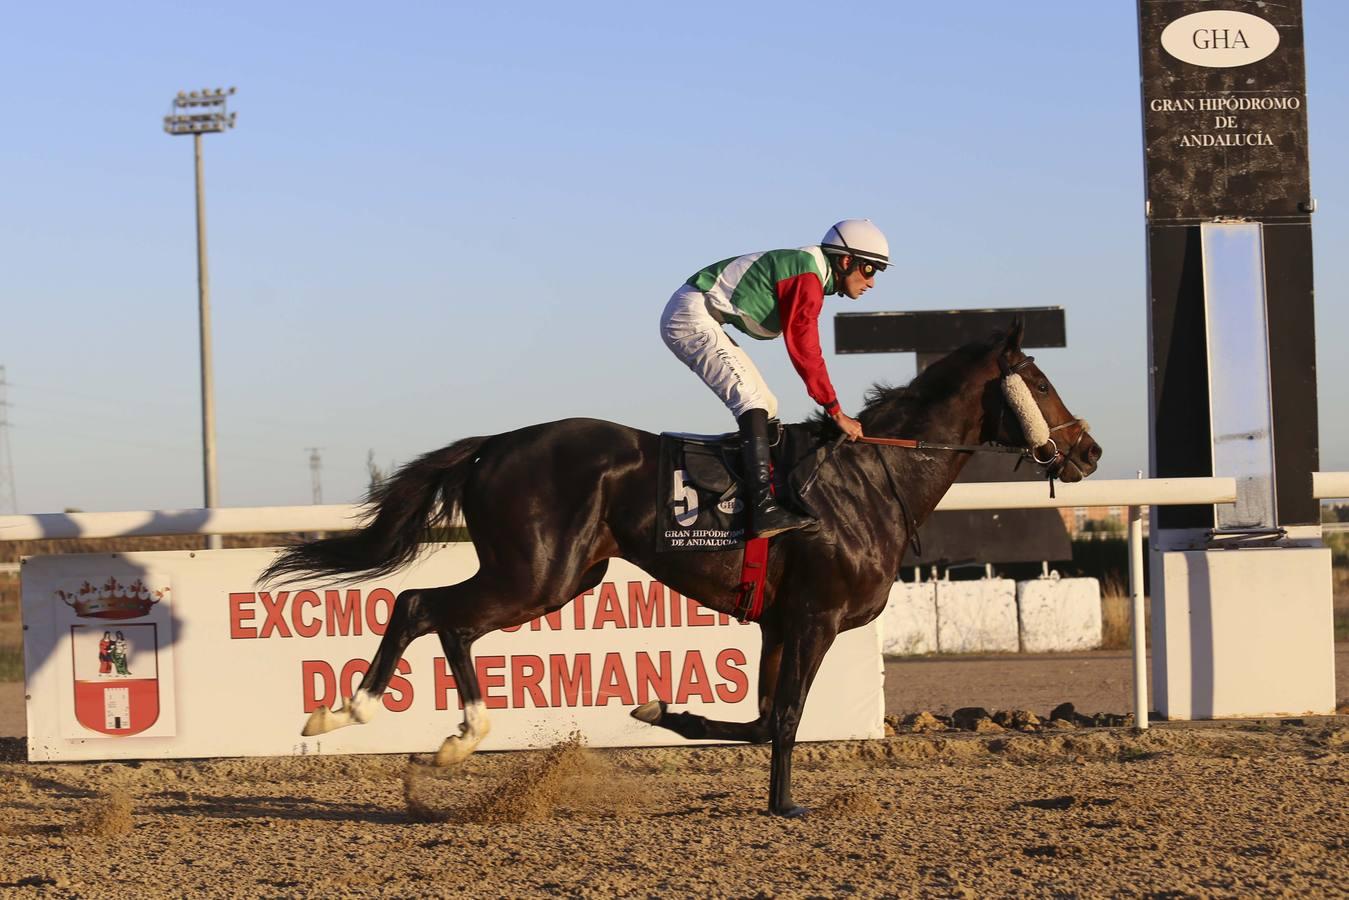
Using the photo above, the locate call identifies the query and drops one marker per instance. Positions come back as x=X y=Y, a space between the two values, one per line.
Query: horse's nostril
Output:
x=1094 y=453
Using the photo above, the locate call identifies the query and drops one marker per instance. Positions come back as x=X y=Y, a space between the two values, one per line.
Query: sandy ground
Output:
x=1182 y=810
x=1175 y=812
x=1094 y=681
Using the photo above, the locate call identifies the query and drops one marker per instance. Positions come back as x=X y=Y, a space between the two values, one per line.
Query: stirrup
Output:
x=777 y=521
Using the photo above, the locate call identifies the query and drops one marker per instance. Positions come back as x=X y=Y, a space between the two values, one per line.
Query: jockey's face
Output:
x=857 y=281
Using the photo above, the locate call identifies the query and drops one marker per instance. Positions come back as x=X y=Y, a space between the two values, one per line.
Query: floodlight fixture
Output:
x=214 y=119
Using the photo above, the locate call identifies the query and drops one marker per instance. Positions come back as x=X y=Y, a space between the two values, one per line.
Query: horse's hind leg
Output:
x=462 y=623
x=456 y=642
x=696 y=727
x=410 y=619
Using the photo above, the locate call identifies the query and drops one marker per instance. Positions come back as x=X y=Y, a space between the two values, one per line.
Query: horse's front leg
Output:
x=806 y=643
x=701 y=728
x=409 y=620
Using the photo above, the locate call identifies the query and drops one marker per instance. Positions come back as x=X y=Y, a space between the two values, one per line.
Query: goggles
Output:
x=869 y=268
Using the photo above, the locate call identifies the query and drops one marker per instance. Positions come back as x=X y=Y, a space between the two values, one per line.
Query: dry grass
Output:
x=1116 y=615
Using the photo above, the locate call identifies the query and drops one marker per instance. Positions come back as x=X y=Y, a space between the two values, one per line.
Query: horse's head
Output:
x=1031 y=413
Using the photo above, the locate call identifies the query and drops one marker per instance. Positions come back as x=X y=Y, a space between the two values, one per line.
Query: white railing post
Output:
x=1137 y=616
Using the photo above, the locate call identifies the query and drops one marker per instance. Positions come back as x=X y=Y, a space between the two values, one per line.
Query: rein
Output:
x=909 y=444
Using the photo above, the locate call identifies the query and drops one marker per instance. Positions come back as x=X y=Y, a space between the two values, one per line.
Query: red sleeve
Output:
x=800 y=300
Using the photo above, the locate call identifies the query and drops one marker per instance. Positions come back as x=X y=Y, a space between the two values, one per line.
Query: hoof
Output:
x=321 y=721
x=452 y=752
x=791 y=812
x=649 y=712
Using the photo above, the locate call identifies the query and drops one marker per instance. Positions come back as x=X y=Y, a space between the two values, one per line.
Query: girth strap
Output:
x=753 y=572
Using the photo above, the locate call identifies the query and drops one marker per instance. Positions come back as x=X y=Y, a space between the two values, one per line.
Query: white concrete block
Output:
x=909 y=623
x=1245 y=632
x=1059 y=614
x=976 y=616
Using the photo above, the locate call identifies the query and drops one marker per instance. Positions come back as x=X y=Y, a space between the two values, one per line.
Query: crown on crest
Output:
x=113 y=600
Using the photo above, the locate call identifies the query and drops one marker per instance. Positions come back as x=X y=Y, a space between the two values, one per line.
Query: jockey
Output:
x=764 y=295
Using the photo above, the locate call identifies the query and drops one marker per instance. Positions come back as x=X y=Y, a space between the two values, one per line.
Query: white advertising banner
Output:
x=179 y=654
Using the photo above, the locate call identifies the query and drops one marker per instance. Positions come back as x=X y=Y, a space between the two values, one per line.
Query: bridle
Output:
x=1032 y=421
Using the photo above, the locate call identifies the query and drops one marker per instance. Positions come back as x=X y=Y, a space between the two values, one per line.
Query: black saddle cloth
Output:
x=700 y=498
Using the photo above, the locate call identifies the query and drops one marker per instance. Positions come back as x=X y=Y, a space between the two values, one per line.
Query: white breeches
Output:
x=692 y=333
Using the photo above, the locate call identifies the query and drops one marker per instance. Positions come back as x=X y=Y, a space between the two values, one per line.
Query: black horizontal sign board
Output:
x=939 y=331
x=1224 y=110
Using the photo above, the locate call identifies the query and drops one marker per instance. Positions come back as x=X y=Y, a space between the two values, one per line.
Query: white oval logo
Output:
x=1220 y=39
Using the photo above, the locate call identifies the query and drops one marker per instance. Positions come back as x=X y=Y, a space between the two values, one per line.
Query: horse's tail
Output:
x=425 y=493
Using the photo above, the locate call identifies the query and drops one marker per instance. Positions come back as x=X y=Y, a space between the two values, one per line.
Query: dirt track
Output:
x=1178 y=811
x=1190 y=810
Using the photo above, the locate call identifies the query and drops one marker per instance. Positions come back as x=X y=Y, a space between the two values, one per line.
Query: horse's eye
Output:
x=1044 y=387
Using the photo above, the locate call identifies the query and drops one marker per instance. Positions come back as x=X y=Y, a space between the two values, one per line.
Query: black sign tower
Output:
x=1225 y=140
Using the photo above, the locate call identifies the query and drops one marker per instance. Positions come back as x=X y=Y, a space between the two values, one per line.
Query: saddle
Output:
x=702 y=490
x=701 y=497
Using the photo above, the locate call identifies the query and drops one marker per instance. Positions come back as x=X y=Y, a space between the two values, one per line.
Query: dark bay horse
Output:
x=548 y=505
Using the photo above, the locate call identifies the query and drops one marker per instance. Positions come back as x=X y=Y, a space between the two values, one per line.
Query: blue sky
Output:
x=436 y=220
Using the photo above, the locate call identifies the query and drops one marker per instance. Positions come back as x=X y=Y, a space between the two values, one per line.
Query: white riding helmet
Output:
x=859 y=238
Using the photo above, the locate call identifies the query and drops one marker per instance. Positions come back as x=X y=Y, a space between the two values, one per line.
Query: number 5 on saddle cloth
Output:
x=700 y=498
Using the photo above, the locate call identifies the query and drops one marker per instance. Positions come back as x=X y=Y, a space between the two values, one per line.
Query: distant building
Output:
x=1088 y=521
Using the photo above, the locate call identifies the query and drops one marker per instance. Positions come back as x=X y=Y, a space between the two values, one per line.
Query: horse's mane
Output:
x=888 y=408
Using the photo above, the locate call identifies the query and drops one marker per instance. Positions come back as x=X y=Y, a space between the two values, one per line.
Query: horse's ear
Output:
x=1014 y=334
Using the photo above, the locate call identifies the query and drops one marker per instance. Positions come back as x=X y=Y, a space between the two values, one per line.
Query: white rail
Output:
x=1134 y=493
x=227 y=520
x=274 y=519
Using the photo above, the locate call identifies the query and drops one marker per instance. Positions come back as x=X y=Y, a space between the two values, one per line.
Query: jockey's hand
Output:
x=848 y=425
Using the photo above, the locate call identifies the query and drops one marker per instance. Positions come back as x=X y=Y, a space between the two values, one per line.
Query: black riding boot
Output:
x=766 y=517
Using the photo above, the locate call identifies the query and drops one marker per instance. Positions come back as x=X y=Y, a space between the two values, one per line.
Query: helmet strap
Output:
x=840 y=272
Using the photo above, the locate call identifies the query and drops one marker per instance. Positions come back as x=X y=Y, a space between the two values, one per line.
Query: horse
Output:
x=546 y=507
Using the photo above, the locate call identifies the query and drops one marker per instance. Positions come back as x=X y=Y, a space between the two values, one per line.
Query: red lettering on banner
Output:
x=646 y=609
x=527 y=676
x=693 y=679
x=304 y=628
x=676 y=610
x=275 y=610
x=400 y=686
x=723 y=619
x=443 y=683
x=561 y=680
x=696 y=615
x=343 y=615
x=730 y=666
x=610 y=609
x=570 y=687
x=613 y=681
x=241 y=611
x=372 y=600
x=318 y=686
x=578 y=610
x=487 y=681
x=653 y=681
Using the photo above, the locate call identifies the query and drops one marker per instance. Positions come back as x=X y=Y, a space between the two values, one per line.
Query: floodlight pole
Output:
x=215 y=119
x=212 y=487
